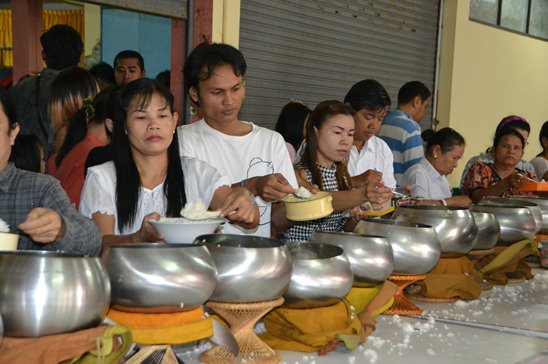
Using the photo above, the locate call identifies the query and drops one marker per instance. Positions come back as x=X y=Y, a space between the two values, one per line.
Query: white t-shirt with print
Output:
x=258 y=153
x=99 y=192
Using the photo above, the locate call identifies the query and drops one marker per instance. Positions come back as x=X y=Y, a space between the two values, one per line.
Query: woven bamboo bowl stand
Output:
x=242 y=318
x=402 y=305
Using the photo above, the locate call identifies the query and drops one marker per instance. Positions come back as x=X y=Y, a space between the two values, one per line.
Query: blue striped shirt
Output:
x=403 y=136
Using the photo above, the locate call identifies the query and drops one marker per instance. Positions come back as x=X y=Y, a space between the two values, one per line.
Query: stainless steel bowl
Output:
x=250 y=268
x=535 y=209
x=159 y=277
x=416 y=246
x=542 y=203
x=46 y=293
x=488 y=230
x=454 y=226
x=370 y=256
x=516 y=222
x=321 y=276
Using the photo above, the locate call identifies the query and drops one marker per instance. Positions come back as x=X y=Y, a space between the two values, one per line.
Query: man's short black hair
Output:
x=411 y=90
x=128 y=53
x=62 y=46
x=367 y=94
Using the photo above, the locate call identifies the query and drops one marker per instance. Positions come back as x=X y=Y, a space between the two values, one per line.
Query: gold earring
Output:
x=192 y=110
x=174 y=131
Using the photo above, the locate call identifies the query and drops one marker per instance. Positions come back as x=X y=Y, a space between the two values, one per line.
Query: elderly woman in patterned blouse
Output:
x=501 y=177
x=329 y=137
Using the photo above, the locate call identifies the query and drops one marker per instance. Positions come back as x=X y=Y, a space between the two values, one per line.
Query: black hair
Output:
x=9 y=108
x=77 y=126
x=427 y=134
x=291 y=121
x=63 y=46
x=130 y=54
x=367 y=94
x=412 y=89
x=513 y=121
x=446 y=138
x=103 y=71
x=164 y=77
x=509 y=130
x=128 y=179
x=318 y=117
x=205 y=58
x=543 y=134
x=26 y=153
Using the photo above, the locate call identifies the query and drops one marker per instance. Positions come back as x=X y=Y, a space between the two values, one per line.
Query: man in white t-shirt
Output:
x=370 y=158
x=252 y=156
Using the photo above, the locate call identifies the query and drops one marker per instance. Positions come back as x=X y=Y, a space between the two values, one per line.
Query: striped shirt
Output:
x=403 y=136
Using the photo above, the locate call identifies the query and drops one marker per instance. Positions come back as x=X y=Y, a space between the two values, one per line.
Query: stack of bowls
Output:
x=488 y=230
x=321 y=276
x=416 y=247
x=542 y=203
x=454 y=226
x=533 y=207
x=156 y=277
x=47 y=293
x=370 y=256
x=249 y=268
x=516 y=222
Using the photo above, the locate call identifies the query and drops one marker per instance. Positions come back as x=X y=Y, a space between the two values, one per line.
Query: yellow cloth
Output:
x=165 y=328
x=451 y=278
x=98 y=344
x=321 y=329
x=507 y=259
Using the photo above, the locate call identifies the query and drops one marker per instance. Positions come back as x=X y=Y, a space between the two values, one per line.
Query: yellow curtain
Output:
x=74 y=18
x=6 y=51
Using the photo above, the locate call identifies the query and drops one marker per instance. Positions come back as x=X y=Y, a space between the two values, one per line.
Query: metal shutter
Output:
x=314 y=50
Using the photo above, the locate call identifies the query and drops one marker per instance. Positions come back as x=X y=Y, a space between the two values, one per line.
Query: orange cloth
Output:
x=165 y=328
x=53 y=349
x=71 y=170
x=509 y=259
x=451 y=278
x=321 y=329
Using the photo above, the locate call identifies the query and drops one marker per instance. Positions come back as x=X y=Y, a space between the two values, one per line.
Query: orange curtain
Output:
x=74 y=18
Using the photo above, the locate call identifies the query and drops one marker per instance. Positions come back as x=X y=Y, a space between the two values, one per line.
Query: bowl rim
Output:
x=347 y=233
x=230 y=241
x=154 y=245
x=185 y=221
x=291 y=199
x=333 y=251
x=45 y=253
x=399 y=223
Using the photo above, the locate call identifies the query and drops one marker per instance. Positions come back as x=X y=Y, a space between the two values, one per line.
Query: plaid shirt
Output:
x=21 y=191
x=301 y=231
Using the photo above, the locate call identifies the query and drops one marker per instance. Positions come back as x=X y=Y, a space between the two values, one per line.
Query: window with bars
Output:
x=528 y=17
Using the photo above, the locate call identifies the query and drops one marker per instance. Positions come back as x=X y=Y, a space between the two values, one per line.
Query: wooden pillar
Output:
x=27 y=28
x=203 y=21
x=178 y=46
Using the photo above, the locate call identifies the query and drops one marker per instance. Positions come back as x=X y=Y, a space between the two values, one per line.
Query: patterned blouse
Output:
x=301 y=231
x=482 y=175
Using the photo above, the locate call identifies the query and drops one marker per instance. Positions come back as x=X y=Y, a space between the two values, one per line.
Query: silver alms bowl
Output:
x=488 y=230
x=416 y=247
x=516 y=222
x=454 y=226
x=321 y=276
x=250 y=268
x=47 y=293
x=156 y=277
x=370 y=256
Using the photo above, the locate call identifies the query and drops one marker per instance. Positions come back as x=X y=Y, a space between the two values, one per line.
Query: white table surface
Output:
x=520 y=313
